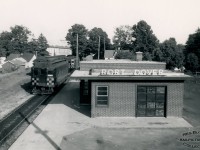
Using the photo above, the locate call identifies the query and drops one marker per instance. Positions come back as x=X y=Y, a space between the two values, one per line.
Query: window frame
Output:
x=156 y=101
x=96 y=95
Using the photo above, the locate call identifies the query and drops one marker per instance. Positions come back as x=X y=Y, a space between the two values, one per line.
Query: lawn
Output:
x=13 y=90
x=143 y=138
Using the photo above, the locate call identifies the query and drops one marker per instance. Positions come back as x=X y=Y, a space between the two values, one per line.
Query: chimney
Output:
x=139 y=56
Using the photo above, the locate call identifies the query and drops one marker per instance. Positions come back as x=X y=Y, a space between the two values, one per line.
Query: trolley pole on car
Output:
x=77 y=55
x=99 y=47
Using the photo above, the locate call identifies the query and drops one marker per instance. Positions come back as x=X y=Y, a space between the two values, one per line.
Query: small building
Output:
x=125 y=88
x=2 y=60
x=109 y=54
x=1 y=70
x=29 y=57
x=19 y=61
x=8 y=67
x=12 y=56
x=59 y=50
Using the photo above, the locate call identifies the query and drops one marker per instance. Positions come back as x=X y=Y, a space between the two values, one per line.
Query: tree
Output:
x=42 y=45
x=157 y=55
x=5 y=43
x=19 y=41
x=144 y=39
x=81 y=31
x=124 y=55
x=172 y=53
x=15 y=41
x=193 y=46
x=98 y=36
x=123 y=38
x=192 y=63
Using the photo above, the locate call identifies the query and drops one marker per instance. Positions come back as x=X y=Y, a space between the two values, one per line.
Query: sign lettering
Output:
x=136 y=72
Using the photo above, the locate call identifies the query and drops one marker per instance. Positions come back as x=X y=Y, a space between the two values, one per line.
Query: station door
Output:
x=151 y=101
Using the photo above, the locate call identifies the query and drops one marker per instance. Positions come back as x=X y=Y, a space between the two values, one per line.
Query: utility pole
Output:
x=77 y=55
x=99 y=48
x=104 y=44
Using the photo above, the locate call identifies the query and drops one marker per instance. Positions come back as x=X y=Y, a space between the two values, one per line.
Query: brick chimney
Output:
x=139 y=56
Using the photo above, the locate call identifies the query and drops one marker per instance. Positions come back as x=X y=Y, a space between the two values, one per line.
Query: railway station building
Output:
x=126 y=88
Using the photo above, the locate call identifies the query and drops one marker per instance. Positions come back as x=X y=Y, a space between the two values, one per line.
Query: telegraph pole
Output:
x=104 y=45
x=77 y=55
x=99 y=48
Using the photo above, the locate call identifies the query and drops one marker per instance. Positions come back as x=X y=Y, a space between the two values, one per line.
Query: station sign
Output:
x=136 y=72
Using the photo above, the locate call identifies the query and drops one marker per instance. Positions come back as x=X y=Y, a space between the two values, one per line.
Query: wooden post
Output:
x=99 y=48
x=77 y=55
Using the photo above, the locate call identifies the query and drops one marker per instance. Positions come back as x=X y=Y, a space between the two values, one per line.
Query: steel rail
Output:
x=17 y=117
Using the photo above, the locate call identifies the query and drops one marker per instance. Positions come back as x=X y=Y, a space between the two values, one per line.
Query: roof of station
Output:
x=122 y=61
x=96 y=75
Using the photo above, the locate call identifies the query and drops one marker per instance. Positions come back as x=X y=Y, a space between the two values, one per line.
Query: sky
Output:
x=53 y=18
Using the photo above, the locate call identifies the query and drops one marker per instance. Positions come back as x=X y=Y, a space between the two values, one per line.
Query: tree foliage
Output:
x=144 y=40
x=125 y=55
x=192 y=63
x=82 y=32
x=172 y=53
x=123 y=38
x=88 y=41
x=192 y=49
x=98 y=36
x=42 y=45
x=18 y=41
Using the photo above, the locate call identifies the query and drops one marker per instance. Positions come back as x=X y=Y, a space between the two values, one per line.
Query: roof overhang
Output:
x=84 y=75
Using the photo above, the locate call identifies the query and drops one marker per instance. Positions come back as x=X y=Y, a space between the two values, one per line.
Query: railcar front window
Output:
x=43 y=71
x=35 y=72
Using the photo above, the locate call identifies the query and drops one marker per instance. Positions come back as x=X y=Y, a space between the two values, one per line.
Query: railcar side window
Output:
x=102 y=95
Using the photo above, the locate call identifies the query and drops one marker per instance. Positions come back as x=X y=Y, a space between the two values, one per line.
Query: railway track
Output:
x=19 y=115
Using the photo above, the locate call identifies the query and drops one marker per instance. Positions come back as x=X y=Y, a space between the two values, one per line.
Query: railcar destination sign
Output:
x=136 y=72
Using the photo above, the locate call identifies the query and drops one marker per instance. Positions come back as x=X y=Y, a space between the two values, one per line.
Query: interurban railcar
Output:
x=49 y=72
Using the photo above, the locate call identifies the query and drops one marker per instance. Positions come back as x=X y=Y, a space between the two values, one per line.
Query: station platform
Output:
x=63 y=117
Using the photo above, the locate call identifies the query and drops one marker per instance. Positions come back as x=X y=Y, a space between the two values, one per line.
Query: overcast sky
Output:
x=53 y=18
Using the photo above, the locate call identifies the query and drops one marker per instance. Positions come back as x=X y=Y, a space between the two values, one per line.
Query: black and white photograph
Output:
x=99 y=75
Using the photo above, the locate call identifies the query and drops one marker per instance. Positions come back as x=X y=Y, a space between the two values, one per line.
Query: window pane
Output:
x=102 y=102
x=151 y=89
x=102 y=93
x=151 y=105
x=43 y=71
x=160 y=112
x=102 y=98
x=151 y=97
x=150 y=112
x=50 y=72
x=141 y=105
x=103 y=88
x=85 y=92
x=141 y=89
x=160 y=90
x=159 y=105
x=141 y=112
x=35 y=72
x=141 y=97
x=160 y=97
